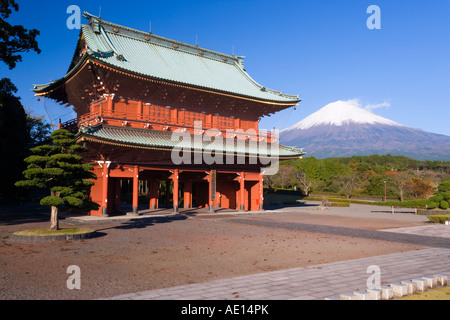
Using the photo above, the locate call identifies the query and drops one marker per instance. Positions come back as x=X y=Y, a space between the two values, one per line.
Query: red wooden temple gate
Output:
x=134 y=91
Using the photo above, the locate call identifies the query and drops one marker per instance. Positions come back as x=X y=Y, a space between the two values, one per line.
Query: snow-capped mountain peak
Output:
x=339 y=113
x=343 y=128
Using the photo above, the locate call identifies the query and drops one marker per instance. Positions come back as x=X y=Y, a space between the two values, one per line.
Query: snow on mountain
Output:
x=339 y=113
x=343 y=128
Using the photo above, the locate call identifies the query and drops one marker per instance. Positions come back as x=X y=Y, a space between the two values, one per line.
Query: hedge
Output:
x=439 y=218
x=339 y=204
x=416 y=203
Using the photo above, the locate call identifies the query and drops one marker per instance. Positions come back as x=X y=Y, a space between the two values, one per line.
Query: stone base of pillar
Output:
x=134 y=212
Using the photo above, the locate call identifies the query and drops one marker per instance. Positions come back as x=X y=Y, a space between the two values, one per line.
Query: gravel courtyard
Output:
x=167 y=250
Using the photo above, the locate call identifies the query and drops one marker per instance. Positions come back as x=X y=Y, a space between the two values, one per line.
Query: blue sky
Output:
x=321 y=50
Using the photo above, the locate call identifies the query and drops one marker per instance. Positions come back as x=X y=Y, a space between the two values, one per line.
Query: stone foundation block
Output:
x=409 y=286
x=387 y=292
x=399 y=289
x=442 y=279
x=420 y=284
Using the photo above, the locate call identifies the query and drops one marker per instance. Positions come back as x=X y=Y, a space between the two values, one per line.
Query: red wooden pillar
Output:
x=135 y=189
x=242 y=191
x=110 y=105
x=116 y=194
x=105 y=175
x=212 y=189
x=154 y=184
x=187 y=194
x=167 y=193
x=175 y=190
x=261 y=191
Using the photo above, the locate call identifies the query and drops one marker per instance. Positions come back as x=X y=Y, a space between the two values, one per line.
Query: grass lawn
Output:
x=434 y=294
x=48 y=232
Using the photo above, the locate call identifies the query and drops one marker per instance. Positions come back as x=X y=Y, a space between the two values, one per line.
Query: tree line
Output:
x=395 y=177
x=20 y=130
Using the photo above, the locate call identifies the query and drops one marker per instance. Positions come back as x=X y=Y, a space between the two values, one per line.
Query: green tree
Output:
x=59 y=168
x=14 y=39
x=444 y=186
x=14 y=137
x=38 y=130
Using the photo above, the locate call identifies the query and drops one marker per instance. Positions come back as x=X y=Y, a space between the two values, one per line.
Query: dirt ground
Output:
x=174 y=250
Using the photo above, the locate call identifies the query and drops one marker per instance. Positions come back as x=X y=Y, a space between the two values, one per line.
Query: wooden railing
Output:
x=163 y=122
x=71 y=125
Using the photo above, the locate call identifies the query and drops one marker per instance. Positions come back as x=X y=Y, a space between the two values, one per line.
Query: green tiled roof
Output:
x=134 y=137
x=149 y=55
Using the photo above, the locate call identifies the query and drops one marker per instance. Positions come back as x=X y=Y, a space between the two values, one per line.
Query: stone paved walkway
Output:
x=325 y=280
x=309 y=283
x=434 y=230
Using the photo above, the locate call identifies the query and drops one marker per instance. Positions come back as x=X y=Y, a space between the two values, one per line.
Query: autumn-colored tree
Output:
x=417 y=188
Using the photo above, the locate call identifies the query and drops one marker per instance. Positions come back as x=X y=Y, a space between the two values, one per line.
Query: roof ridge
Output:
x=169 y=42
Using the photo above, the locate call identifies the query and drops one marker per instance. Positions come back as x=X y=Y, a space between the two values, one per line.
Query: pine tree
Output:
x=59 y=168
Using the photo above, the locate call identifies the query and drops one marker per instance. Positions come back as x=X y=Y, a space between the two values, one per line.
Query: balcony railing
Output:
x=161 y=122
x=71 y=125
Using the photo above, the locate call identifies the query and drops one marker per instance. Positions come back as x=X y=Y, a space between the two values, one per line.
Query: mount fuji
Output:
x=343 y=129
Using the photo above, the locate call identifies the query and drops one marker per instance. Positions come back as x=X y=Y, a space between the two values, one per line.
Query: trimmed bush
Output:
x=438 y=218
x=446 y=195
x=444 y=205
x=432 y=205
x=437 y=198
x=339 y=204
x=416 y=203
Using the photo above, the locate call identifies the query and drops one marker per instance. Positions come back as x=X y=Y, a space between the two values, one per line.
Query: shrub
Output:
x=446 y=196
x=339 y=204
x=444 y=186
x=432 y=205
x=437 y=198
x=416 y=203
x=439 y=218
x=444 y=205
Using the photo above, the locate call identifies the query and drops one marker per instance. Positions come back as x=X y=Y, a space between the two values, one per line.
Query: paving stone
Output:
x=306 y=282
